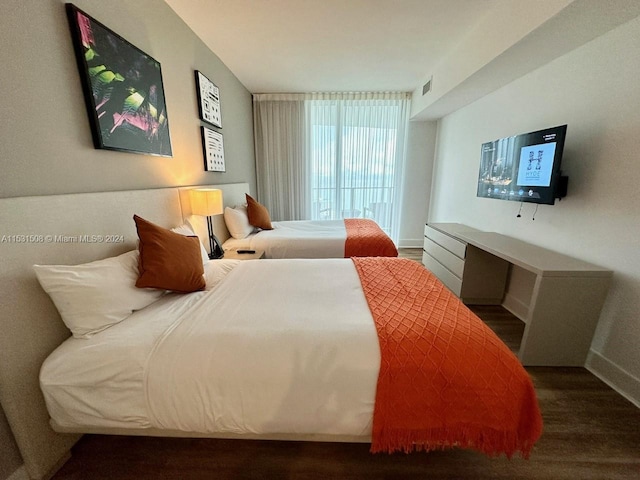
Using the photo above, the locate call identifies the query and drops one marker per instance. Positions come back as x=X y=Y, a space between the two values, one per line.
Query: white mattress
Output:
x=285 y=346
x=297 y=239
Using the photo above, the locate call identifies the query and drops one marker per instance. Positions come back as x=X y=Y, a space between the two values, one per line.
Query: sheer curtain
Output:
x=349 y=154
x=281 y=146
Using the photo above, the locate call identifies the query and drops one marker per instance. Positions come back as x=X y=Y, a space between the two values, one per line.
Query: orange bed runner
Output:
x=366 y=239
x=446 y=380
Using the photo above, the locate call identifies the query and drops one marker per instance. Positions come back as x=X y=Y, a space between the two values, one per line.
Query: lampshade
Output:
x=206 y=201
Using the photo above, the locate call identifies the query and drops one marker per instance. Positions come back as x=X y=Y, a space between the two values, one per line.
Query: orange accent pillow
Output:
x=258 y=214
x=168 y=260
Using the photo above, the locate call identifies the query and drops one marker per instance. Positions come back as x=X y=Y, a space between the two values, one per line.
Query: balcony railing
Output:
x=354 y=202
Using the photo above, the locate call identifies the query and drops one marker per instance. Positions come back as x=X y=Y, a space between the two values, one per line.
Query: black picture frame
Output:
x=213 y=150
x=208 y=100
x=122 y=88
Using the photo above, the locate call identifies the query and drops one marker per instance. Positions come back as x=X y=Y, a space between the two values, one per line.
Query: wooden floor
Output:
x=590 y=432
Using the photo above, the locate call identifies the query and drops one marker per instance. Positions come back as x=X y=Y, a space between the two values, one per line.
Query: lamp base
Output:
x=215 y=247
x=217 y=252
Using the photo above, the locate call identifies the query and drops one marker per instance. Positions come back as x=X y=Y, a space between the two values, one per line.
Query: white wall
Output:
x=595 y=89
x=505 y=23
x=421 y=139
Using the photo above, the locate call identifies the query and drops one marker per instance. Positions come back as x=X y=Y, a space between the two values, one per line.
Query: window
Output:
x=355 y=162
x=331 y=155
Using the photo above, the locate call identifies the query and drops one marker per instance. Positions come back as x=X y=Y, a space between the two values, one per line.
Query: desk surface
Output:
x=536 y=259
x=453 y=229
x=560 y=309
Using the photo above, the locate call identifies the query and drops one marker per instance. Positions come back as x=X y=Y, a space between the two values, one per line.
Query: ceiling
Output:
x=469 y=47
x=278 y=46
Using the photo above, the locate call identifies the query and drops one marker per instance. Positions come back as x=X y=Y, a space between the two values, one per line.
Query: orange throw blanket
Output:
x=366 y=239
x=446 y=380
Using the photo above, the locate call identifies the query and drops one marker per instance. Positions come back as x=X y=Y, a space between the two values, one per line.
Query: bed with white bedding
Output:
x=296 y=239
x=315 y=239
x=371 y=348
x=260 y=363
x=250 y=228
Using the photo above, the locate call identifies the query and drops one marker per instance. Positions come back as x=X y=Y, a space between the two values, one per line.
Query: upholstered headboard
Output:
x=48 y=230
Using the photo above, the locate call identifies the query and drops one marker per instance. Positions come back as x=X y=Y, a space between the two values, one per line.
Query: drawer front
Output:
x=456 y=247
x=452 y=282
x=445 y=257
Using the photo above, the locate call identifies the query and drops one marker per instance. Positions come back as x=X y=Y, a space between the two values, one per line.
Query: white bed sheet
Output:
x=297 y=239
x=99 y=381
x=278 y=347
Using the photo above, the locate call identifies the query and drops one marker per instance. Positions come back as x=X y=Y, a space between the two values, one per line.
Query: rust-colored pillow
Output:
x=258 y=214
x=168 y=260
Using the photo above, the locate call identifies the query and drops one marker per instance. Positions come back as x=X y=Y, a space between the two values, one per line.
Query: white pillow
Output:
x=93 y=296
x=187 y=229
x=237 y=221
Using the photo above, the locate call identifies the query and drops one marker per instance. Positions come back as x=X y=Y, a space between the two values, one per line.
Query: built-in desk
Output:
x=566 y=298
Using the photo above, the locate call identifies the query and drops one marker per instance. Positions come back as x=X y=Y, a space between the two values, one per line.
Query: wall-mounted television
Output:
x=524 y=168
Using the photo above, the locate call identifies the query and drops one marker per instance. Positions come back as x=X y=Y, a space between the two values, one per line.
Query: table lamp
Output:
x=207 y=202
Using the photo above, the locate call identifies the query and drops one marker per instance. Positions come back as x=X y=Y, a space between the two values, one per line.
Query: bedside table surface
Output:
x=234 y=255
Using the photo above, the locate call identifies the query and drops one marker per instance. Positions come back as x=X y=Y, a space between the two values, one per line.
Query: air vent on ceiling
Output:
x=427 y=87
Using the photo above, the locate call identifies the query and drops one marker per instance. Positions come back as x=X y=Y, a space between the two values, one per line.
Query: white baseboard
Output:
x=411 y=242
x=19 y=474
x=616 y=377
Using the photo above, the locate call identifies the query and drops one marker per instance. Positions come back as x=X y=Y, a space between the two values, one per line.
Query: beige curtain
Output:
x=281 y=147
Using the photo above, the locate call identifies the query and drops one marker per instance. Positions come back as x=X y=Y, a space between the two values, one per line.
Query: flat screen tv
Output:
x=524 y=168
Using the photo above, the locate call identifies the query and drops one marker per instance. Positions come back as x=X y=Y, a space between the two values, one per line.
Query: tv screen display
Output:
x=523 y=168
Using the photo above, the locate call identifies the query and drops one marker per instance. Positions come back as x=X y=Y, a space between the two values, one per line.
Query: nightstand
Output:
x=234 y=255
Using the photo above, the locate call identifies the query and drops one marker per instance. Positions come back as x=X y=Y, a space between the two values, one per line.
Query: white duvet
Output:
x=277 y=347
x=297 y=239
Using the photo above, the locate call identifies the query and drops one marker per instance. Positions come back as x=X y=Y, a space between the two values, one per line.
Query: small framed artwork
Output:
x=213 y=149
x=122 y=88
x=208 y=100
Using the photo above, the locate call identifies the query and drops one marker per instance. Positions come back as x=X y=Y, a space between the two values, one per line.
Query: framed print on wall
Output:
x=122 y=87
x=208 y=100
x=213 y=149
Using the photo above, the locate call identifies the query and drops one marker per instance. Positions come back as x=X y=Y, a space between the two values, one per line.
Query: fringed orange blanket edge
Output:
x=446 y=380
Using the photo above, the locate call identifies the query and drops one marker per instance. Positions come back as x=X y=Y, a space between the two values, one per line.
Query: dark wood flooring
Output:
x=590 y=432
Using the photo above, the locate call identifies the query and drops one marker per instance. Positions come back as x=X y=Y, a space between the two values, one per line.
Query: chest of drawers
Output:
x=446 y=254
